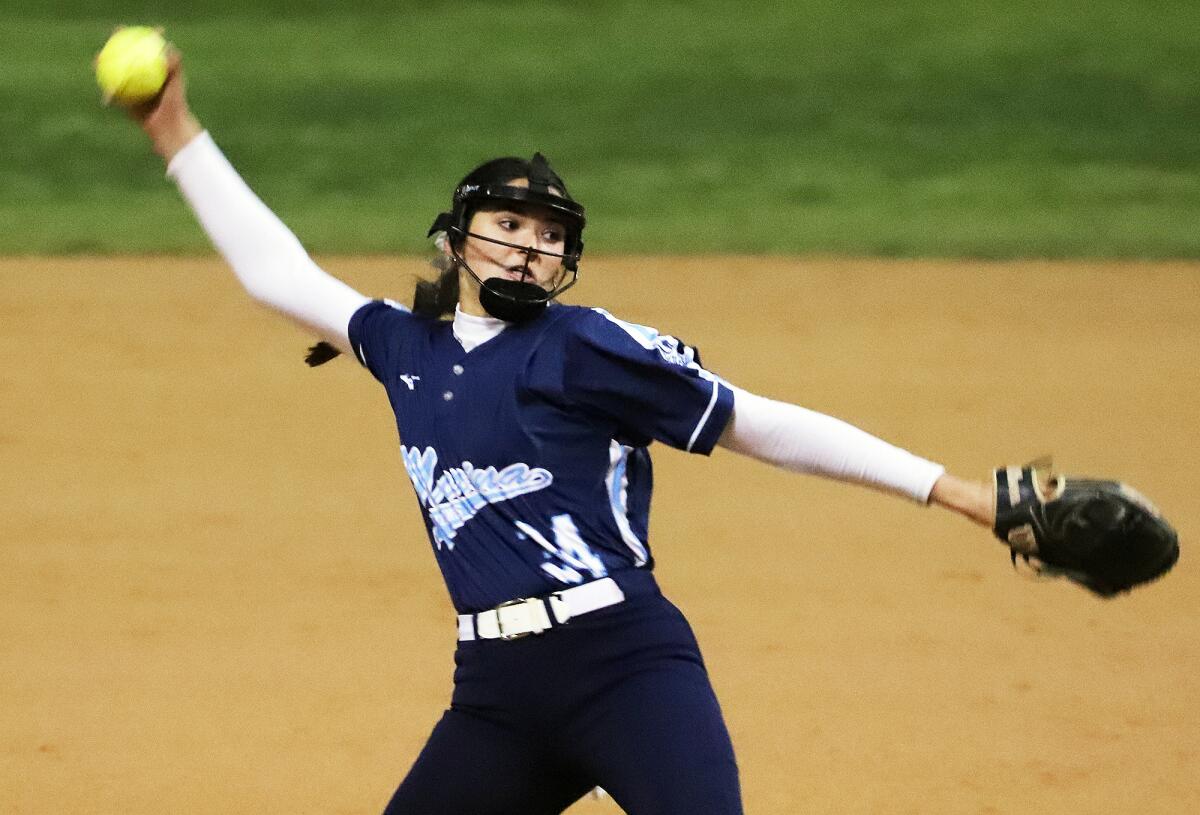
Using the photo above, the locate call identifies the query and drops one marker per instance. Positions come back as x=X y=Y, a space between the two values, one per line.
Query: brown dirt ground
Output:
x=217 y=597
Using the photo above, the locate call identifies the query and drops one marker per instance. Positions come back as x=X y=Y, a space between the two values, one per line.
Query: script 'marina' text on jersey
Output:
x=455 y=496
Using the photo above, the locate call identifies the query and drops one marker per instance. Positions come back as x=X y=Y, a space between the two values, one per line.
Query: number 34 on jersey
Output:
x=459 y=493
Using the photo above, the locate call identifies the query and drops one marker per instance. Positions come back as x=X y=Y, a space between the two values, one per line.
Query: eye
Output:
x=553 y=236
x=506 y=223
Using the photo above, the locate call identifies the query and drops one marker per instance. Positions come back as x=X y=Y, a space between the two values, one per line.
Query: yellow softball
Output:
x=132 y=65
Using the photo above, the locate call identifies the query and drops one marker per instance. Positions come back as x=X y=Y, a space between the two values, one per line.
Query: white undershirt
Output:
x=472 y=332
x=277 y=271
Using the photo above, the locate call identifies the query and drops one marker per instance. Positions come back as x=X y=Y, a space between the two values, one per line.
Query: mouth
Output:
x=522 y=273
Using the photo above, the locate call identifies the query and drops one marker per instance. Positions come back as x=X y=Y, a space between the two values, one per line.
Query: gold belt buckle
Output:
x=500 y=619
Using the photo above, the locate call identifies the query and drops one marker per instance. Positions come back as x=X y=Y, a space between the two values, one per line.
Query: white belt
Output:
x=519 y=618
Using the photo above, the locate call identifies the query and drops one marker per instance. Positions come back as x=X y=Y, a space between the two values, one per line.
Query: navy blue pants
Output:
x=618 y=698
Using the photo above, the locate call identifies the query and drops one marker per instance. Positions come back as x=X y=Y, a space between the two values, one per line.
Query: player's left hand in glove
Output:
x=1103 y=535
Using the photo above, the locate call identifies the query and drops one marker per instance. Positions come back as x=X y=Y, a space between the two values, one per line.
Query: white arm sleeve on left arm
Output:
x=805 y=441
x=263 y=253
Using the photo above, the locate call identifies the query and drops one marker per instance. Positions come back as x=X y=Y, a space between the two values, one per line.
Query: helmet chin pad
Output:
x=515 y=301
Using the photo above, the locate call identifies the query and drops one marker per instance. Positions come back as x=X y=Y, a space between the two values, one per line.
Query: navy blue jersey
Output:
x=528 y=453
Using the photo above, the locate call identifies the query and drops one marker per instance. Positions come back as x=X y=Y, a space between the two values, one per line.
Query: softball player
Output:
x=524 y=428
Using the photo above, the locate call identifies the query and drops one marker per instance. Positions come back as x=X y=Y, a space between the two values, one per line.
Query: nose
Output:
x=531 y=239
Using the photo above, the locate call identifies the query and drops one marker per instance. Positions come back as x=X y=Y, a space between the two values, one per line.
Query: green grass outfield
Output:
x=997 y=128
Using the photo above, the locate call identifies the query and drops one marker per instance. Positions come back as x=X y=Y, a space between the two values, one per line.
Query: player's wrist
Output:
x=167 y=139
x=971 y=499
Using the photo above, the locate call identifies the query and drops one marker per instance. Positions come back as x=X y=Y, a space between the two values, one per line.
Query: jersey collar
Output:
x=472 y=332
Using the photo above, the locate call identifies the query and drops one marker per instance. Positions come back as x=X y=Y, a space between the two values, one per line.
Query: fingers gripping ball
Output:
x=1103 y=535
x=132 y=65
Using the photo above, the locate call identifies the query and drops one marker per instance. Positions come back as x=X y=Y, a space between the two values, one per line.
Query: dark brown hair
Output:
x=437 y=297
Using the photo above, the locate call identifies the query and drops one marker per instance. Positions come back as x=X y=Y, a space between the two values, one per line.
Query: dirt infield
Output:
x=217 y=596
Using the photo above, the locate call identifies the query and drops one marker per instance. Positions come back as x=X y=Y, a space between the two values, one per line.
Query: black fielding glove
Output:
x=1103 y=535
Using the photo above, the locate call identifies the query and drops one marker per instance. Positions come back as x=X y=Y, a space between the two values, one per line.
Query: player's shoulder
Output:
x=391 y=316
x=596 y=322
x=381 y=327
x=387 y=308
x=600 y=329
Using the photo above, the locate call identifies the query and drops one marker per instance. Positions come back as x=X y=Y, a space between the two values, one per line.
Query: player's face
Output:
x=532 y=227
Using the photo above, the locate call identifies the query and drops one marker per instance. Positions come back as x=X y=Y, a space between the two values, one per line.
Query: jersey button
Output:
x=448 y=395
x=458 y=369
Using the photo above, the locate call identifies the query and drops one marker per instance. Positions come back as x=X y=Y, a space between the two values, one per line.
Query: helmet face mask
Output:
x=490 y=188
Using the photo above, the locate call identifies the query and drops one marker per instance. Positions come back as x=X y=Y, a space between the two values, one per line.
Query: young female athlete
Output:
x=524 y=427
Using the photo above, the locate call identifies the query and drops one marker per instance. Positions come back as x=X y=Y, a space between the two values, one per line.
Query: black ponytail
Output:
x=437 y=298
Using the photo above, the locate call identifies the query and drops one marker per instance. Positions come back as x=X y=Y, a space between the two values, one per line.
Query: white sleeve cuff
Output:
x=187 y=154
x=803 y=440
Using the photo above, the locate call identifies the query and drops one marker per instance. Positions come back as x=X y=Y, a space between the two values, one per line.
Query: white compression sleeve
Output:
x=805 y=441
x=263 y=253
